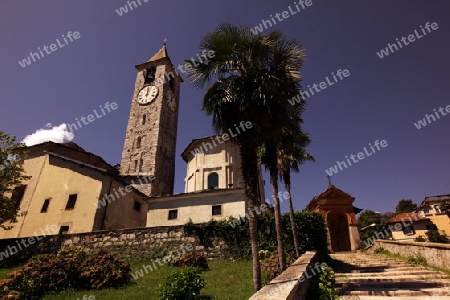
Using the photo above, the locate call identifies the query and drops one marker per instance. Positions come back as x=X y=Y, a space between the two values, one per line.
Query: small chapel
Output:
x=339 y=214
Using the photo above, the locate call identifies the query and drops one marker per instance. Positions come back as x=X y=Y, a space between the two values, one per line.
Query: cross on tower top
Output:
x=165 y=41
x=329 y=179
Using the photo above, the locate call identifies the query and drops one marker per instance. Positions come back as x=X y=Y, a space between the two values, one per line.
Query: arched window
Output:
x=213 y=181
x=144 y=118
x=138 y=142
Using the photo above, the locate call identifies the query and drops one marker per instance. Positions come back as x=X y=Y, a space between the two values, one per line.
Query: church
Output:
x=78 y=191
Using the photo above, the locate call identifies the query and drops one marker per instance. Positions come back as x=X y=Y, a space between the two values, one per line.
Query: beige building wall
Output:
x=419 y=230
x=442 y=222
x=55 y=178
x=440 y=219
x=206 y=156
x=197 y=207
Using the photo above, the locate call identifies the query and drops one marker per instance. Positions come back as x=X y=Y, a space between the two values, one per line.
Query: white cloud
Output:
x=57 y=134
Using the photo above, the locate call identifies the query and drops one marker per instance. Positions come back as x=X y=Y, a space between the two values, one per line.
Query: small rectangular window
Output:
x=409 y=230
x=45 y=205
x=173 y=214
x=216 y=210
x=71 y=202
x=64 y=230
x=137 y=205
x=17 y=194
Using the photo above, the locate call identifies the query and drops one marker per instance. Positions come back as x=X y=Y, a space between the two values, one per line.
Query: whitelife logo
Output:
x=411 y=38
x=431 y=118
x=281 y=16
x=53 y=47
x=360 y=156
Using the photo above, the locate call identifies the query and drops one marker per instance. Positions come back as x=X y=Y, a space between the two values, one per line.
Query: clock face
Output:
x=147 y=94
x=171 y=101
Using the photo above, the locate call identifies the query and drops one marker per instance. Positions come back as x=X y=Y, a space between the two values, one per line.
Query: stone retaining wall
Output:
x=436 y=254
x=293 y=283
x=151 y=242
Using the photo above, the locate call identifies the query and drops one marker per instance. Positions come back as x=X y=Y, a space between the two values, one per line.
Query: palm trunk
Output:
x=278 y=222
x=291 y=217
x=249 y=167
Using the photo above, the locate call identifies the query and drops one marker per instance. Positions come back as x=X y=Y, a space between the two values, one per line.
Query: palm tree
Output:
x=290 y=160
x=249 y=75
x=286 y=129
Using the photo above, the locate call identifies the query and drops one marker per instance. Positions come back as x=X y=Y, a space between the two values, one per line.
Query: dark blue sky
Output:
x=380 y=100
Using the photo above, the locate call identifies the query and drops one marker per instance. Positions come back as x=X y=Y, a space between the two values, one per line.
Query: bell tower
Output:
x=148 y=156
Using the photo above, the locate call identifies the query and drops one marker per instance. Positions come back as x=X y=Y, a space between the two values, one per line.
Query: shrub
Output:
x=104 y=271
x=381 y=250
x=311 y=232
x=70 y=269
x=323 y=285
x=419 y=239
x=182 y=285
x=191 y=259
x=435 y=237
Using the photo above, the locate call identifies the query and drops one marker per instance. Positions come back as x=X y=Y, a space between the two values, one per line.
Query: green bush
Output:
x=311 y=231
x=381 y=250
x=323 y=285
x=192 y=259
x=70 y=269
x=419 y=239
x=182 y=285
x=435 y=237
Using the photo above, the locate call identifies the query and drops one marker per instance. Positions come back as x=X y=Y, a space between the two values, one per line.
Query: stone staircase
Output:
x=365 y=277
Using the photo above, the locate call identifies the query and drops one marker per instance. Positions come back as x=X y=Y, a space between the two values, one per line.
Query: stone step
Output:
x=419 y=273
x=421 y=294
x=401 y=278
x=391 y=285
x=375 y=277
x=421 y=297
x=373 y=269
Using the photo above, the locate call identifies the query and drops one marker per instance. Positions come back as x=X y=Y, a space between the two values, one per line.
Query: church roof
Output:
x=192 y=146
x=407 y=216
x=331 y=192
x=162 y=53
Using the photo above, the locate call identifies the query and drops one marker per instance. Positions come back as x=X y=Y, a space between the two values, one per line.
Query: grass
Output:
x=224 y=280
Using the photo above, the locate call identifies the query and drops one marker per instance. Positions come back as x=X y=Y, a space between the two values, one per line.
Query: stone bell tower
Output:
x=148 y=157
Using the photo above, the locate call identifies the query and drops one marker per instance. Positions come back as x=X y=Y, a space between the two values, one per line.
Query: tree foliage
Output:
x=366 y=219
x=11 y=175
x=405 y=205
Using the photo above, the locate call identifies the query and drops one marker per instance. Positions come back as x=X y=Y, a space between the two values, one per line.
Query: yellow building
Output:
x=74 y=191
x=431 y=207
x=409 y=225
